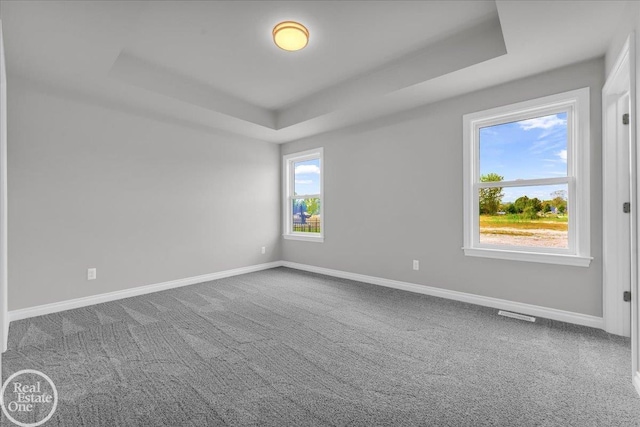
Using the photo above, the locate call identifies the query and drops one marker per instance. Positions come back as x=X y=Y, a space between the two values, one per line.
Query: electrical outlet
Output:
x=416 y=264
x=92 y=274
x=264 y=250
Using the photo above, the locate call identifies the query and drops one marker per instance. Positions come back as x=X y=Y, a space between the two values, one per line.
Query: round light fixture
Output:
x=290 y=35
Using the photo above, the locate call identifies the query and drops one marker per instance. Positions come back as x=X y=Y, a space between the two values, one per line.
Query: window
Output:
x=526 y=181
x=303 y=190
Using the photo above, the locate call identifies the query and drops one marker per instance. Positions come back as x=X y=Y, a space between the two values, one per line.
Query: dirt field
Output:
x=524 y=237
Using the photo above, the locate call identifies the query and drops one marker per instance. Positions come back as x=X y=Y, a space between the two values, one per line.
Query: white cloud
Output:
x=543 y=145
x=546 y=122
x=304 y=181
x=304 y=169
x=563 y=155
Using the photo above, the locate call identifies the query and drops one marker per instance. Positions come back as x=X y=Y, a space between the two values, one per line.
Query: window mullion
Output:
x=523 y=182
x=306 y=196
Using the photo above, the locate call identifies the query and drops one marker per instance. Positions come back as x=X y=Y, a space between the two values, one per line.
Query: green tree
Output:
x=560 y=204
x=530 y=212
x=490 y=198
x=521 y=204
x=558 y=201
x=528 y=208
x=313 y=206
x=536 y=204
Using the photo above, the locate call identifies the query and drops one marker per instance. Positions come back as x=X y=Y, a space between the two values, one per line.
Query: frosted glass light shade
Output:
x=291 y=36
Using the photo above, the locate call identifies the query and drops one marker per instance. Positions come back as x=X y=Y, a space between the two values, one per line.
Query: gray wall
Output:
x=630 y=22
x=407 y=172
x=142 y=201
x=147 y=202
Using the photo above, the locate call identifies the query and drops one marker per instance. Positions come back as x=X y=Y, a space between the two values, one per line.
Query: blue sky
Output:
x=307 y=177
x=528 y=149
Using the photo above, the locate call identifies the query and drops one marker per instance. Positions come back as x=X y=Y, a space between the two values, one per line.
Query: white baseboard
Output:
x=636 y=382
x=518 y=307
x=56 y=307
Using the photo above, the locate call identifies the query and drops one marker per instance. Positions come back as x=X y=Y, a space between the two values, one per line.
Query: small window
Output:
x=303 y=201
x=526 y=183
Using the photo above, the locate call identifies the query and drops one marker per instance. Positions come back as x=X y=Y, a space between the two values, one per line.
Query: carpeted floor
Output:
x=287 y=348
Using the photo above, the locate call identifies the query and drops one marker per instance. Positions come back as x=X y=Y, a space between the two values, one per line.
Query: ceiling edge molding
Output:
x=475 y=45
x=138 y=72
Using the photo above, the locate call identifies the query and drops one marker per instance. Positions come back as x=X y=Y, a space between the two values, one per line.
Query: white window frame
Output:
x=576 y=104
x=288 y=181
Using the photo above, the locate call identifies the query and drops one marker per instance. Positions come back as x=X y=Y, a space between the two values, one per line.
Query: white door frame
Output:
x=635 y=218
x=621 y=78
x=4 y=318
x=617 y=167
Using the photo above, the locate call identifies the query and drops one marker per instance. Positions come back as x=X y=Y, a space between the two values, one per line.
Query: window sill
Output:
x=572 y=260
x=316 y=239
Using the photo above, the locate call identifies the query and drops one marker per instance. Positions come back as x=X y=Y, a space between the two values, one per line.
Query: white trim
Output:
x=617 y=159
x=4 y=278
x=517 y=316
x=576 y=104
x=56 y=307
x=304 y=238
x=546 y=258
x=635 y=218
x=288 y=190
x=501 y=304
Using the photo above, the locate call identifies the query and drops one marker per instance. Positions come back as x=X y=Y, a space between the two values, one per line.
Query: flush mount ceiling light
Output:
x=290 y=35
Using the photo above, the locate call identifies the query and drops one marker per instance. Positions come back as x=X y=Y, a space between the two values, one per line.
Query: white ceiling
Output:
x=228 y=45
x=213 y=64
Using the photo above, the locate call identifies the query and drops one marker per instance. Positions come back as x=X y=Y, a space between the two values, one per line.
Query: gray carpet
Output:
x=283 y=347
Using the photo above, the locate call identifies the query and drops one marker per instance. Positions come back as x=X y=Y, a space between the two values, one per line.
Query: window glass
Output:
x=526 y=180
x=532 y=216
x=303 y=196
x=307 y=177
x=527 y=149
x=305 y=215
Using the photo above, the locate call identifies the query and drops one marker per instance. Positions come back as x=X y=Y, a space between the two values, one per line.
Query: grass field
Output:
x=551 y=222
x=549 y=231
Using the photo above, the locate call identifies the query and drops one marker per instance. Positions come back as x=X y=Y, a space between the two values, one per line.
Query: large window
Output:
x=526 y=181
x=303 y=202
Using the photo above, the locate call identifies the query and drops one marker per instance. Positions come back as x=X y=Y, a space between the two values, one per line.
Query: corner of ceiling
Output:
x=316 y=113
x=136 y=71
